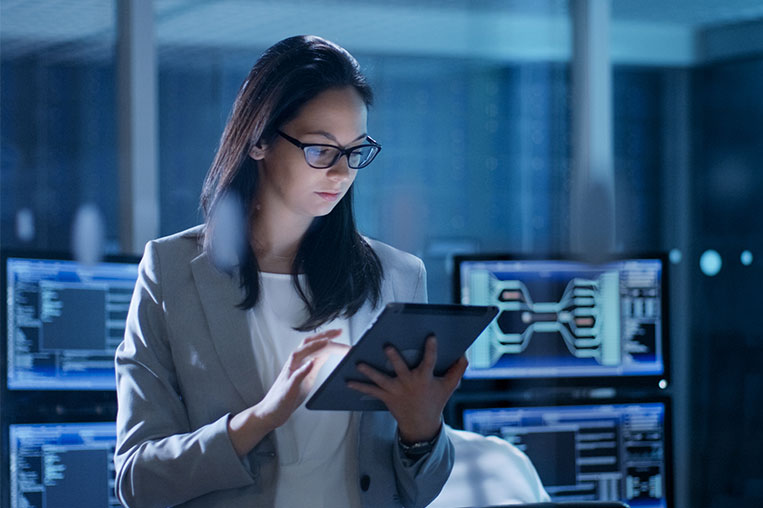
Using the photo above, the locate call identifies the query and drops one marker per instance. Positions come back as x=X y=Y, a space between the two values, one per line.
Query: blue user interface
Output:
x=599 y=452
x=62 y=465
x=566 y=319
x=64 y=322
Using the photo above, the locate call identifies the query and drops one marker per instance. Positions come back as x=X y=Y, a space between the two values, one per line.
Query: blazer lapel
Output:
x=228 y=325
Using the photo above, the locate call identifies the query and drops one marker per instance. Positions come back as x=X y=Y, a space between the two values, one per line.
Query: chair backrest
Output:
x=488 y=471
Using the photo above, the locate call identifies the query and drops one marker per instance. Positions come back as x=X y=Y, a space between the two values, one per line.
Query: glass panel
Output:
x=59 y=138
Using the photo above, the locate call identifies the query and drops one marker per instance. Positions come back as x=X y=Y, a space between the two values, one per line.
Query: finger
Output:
x=430 y=355
x=306 y=351
x=327 y=348
x=318 y=360
x=309 y=380
x=328 y=334
x=367 y=389
x=398 y=364
x=337 y=347
x=307 y=346
x=303 y=380
x=456 y=371
x=301 y=373
x=382 y=380
x=310 y=347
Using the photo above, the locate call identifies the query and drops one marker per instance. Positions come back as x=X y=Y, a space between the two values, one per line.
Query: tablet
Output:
x=406 y=327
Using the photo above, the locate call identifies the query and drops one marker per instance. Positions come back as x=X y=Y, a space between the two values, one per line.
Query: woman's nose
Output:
x=340 y=170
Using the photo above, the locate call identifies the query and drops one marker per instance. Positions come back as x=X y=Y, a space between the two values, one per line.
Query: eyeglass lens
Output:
x=326 y=156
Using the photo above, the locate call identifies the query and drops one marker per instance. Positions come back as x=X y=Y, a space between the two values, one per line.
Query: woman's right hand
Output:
x=294 y=382
x=297 y=377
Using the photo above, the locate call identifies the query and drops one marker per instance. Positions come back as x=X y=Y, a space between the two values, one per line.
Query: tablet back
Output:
x=406 y=327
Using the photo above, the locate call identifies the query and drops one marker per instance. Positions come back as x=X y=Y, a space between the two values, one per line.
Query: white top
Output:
x=317 y=459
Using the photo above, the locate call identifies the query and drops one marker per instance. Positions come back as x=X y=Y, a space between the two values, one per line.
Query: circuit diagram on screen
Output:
x=579 y=317
x=596 y=321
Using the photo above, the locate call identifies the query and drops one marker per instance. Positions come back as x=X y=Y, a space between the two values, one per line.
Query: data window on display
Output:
x=64 y=321
x=62 y=465
x=562 y=318
x=589 y=452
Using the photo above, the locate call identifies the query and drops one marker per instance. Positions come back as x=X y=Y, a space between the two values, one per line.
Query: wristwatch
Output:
x=417 y=449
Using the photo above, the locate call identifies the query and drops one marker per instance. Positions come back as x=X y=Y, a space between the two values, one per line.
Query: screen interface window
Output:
x=566 y=318
x=586 y=453
x=63 y=465
x=65 y=321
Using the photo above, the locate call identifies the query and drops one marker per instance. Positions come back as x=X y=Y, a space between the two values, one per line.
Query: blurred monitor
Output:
x=62 y=465
x=562 y=318
x=603 y=452
x=63 y=321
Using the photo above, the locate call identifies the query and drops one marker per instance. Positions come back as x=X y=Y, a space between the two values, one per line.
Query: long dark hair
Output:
x=341 y=269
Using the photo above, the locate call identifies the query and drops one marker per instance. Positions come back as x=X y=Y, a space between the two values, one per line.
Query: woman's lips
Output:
x=329 y=196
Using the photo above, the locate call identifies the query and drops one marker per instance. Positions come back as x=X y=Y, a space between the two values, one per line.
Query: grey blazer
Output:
x=186 y=365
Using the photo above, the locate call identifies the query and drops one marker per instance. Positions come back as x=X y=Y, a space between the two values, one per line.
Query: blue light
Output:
x=710 y=262
x=746 y=258
x=675 y=256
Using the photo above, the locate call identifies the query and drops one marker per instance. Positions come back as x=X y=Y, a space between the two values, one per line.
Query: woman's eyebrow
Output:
x=332 y=138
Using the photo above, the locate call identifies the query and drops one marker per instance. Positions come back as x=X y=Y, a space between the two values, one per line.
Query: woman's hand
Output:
x=289 y=390
x=297 y=377
x=415 y=397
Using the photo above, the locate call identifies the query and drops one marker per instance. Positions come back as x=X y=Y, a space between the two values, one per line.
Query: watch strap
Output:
x=418 y=448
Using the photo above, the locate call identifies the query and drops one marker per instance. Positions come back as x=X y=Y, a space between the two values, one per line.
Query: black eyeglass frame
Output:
x=340 y=151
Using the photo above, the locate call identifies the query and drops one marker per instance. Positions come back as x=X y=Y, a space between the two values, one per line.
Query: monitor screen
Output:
x=566 y=319
x=64 y=321
x=62 y=465
x=602 y=452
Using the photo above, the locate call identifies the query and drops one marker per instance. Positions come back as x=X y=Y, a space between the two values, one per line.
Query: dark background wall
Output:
x=726 y=337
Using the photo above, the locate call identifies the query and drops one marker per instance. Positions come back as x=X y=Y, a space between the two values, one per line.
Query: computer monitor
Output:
x=63 y=320
x=593 y=451
x=62 y=465
x=564 y=318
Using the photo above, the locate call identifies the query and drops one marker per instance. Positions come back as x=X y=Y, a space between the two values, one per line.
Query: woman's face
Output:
x=288 y=185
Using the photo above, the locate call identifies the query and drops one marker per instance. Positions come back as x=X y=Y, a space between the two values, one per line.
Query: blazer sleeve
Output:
x=160 y=460
x=420 y=481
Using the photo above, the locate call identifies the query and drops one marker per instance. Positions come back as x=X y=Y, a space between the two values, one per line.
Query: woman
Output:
x=229 y=326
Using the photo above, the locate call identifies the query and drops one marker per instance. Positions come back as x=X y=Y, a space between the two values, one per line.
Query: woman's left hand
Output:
x=415 y=397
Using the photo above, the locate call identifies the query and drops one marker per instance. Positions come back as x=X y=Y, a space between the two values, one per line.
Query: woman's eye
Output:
x=319 y=151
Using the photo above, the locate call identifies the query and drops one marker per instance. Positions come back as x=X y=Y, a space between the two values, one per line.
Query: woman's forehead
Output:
x=337 y=112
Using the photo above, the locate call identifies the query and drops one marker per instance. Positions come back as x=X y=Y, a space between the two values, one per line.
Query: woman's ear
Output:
x=257 y=152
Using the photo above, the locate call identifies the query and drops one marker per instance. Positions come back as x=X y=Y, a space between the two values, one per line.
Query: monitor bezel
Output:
x=462 y=402
x=659 y=381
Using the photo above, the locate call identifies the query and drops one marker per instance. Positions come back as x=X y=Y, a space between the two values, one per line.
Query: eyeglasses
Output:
x=321 y=156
